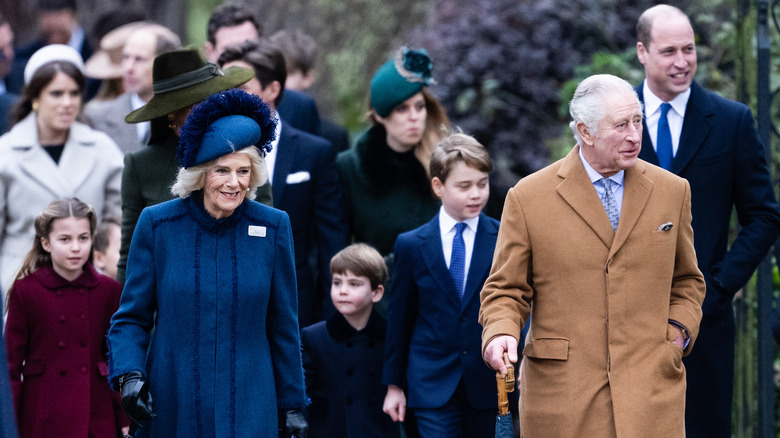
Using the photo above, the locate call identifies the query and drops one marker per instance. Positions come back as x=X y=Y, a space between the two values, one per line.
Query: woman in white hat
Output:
x=49 y=155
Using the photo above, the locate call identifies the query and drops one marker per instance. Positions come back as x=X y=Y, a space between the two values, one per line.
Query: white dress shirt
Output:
x=447 y=229
x=675 y=116
x=270 y=159
x=142 y=129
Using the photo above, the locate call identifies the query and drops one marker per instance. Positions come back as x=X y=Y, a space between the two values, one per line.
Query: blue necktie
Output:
x=610 y=203
x=664 y=140
x=458 y=260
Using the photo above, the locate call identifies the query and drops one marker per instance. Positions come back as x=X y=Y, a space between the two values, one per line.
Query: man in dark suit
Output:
x=712 y=142
x=231 y=24
x=7 y=100
x=304 y=180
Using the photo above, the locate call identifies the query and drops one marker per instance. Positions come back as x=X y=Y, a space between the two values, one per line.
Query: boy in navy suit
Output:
x=341 y=355
x=433 y=343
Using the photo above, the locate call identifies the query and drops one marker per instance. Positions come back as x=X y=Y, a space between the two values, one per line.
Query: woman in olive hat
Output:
x=387 y=189
x=182 y=79
x=213 y=273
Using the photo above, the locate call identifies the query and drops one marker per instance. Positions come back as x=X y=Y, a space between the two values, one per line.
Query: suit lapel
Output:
x=285 y=156
x=432 y=253
x=78 y=160
x=696 y=128
x=481 y=258
x=577 y=190
x=636 y=193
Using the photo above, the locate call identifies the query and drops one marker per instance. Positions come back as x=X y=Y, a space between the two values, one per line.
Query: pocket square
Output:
x=298 y=177
x=665 y=227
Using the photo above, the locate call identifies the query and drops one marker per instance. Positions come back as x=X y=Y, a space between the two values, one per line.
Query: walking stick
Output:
x=505 y=385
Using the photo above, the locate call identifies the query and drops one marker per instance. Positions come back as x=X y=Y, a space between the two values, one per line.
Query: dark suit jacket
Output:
x=433 y=337
x=7 y=102
x=721 y=156
x=336 y=134
x=343 y=379
x=723 y=159
x=306 y=186
x=300 y=110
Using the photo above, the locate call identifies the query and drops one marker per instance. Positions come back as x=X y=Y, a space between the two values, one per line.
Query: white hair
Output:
x=587 y=105
x=194 y=178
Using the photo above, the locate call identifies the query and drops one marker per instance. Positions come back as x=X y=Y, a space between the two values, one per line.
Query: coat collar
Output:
x=340 y=330
x=697 y=125
x=577 y=190
x=194 y=205
x=76 y=164
x=52 y=281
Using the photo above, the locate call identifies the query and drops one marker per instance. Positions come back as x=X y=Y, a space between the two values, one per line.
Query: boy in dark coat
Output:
x=433 y=343
x=343 y=355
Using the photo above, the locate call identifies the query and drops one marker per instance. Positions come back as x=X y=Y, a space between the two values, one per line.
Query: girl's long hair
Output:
x=38 y=257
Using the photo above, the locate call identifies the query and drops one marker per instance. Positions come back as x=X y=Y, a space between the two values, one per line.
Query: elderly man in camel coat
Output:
x=607 y=272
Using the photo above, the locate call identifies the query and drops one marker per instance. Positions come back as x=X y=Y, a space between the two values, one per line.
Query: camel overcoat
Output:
x=598 y=359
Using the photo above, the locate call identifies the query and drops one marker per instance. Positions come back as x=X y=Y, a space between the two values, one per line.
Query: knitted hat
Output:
x=183 y=78
x=51 y=53
x=224 y=123
x=399 y=79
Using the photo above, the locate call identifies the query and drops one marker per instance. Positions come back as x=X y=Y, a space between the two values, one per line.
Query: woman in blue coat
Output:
x=205 y=342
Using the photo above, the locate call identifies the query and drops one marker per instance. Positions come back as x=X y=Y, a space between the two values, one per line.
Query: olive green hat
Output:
x=183 y=78
x=399 y=79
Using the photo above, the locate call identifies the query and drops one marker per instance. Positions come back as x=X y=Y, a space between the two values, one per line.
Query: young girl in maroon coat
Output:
x=59 y=309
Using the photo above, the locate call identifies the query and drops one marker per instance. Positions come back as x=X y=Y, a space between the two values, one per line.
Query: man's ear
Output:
x=208 y=49
x=585 y=134
x=99 y=259
x=272 y=90
x=641 y=52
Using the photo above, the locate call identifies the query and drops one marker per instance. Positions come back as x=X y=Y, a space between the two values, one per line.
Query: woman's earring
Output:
x=35 y=106
x=172 y=123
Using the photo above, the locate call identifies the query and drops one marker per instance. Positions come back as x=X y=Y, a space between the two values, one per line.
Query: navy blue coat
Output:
x=300 y=110
x=343 y=378
x=220 y=295
x=306 y=186
x=721 y=156
x=433 y=337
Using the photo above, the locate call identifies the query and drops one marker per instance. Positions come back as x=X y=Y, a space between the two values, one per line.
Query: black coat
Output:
x=343 y=369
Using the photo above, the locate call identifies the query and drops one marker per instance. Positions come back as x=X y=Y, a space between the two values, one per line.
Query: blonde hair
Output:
x=38 y=257
x=363 y=261
x=194 y=178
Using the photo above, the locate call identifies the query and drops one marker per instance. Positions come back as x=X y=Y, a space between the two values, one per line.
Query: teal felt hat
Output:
x=399 y=79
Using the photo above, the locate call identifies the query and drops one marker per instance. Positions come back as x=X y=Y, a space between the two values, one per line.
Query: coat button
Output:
x=63 y=372
x=81 y=291
x=62 y=318
x=83 y=370
x=83 y=316
x=464 y=352
x=83 y=344
x=62 y=344
x=59 y=293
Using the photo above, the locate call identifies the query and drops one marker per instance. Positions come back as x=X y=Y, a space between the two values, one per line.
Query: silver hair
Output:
x=194 y=178
x=587 y=105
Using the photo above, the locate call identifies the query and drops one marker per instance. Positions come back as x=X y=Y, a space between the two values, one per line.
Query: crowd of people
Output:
x=188 y=249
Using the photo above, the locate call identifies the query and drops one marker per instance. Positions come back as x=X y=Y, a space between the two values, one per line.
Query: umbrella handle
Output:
x=505 y=384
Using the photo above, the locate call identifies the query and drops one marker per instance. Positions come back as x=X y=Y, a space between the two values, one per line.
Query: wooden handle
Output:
x=505 y=384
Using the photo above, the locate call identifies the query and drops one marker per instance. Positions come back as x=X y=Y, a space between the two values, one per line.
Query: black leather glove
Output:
x=292 y=424
x=136 y=398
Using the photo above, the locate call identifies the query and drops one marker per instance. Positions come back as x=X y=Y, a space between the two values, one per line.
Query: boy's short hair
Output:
x=458 y=147
x=363 y=261
x=102 y=233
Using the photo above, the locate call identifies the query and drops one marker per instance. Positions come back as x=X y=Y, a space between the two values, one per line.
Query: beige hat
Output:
x=106 y=63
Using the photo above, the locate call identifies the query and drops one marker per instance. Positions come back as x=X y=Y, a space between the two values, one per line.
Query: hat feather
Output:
x=235 y=102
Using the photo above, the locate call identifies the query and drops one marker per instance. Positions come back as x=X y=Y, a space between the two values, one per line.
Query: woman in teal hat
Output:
x=387 y=189
x=205 y=342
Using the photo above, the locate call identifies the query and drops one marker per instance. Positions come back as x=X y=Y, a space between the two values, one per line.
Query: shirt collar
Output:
x=595 y=176
x=653 y=102
x=446 y=222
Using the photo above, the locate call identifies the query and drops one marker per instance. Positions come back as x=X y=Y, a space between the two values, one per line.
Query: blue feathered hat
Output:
x=225 y=122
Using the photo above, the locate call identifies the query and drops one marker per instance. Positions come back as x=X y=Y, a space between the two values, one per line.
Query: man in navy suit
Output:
x=713 y=143
x=433 y=341
x=304 y=181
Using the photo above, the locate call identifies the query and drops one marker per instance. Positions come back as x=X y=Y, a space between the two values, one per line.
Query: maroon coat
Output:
x=55 y=334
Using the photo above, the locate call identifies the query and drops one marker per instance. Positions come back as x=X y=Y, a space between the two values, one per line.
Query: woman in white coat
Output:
x=48 y=155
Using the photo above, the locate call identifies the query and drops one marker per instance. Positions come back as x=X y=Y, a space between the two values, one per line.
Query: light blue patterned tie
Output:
x=458 y=260
x=609 y=202
x=663 y=146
